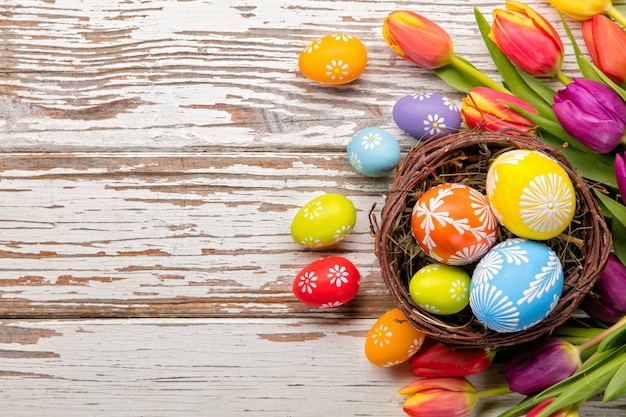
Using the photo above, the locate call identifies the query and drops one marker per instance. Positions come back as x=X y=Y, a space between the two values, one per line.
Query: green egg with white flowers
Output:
x=323 y=221
x=440 y=289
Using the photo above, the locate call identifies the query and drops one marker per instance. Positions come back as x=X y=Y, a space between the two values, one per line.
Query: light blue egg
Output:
x=516 y=285
x=373 y=152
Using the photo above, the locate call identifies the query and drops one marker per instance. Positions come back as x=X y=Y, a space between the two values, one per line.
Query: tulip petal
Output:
x=620 y=174
x=440 y=404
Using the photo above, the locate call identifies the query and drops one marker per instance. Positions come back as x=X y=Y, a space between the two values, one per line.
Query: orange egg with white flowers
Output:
x=454 y=224
x=392 y=340
x=333 y=59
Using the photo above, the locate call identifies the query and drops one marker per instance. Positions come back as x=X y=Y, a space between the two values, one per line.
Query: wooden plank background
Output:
x=152 y=156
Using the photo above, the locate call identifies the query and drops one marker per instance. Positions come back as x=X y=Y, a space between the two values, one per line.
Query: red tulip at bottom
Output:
x=436 y=359
x=439 y=397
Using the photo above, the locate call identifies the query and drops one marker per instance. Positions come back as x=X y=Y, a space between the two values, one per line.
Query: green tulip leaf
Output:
x=614 y=340
x=617 y=385
x=617 y=210
x=618 y=234
x=457 y=78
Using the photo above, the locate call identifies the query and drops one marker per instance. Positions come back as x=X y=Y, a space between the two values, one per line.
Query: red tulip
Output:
x=439 y=397
x=439 y=360
x=417 y=39
x=606 y=42
x=527 y=39
x=487 y=109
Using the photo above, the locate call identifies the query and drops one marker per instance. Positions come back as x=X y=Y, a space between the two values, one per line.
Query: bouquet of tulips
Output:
x=586 y=120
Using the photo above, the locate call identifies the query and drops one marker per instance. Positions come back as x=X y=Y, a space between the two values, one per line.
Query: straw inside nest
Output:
x=465 y=158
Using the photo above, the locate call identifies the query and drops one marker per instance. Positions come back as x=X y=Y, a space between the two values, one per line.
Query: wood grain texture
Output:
x=152 y=156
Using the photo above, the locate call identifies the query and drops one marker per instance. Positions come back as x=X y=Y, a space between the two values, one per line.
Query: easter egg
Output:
x=392 y=340
x=440 y=288
x=323 y=221
x=453 y=224
x=373 y=152
x=530 y=194
x=426 y=116
x=516 y=285
x=333 y=59
x=327 y=282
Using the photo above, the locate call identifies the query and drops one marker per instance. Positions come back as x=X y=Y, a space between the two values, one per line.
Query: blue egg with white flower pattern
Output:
x=373 y=152
x=516 y=285
x=427 y=116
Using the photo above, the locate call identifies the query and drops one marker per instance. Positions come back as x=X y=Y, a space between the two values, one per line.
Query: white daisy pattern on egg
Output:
x=450 y=104
x=311 y=242
x=382 y=335
x=421 y=96
x=307 y=282
x=468 y=254
x=494 y=309
x=513 y=252
x=434 y=124
x=338 y=275
x=342 y=233
x=331 y=304
x=459 y=290
x=313 y=46
x=549 y=276
x=546 y=204
x=371 y=140
x=415 y=346
x=337 y=69
x=343 y=37
x=355 y=162
x=312 y=210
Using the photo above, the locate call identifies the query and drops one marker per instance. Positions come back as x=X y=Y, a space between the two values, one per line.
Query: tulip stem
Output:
x=494 y=392
x=470 y=70
x=617 y=15
x=598 y=338
x=563 y=78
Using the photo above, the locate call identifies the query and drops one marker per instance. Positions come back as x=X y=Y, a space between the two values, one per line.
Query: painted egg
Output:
x=323 y=221
x=427 y=116
x=516 y=285
x=440 y=289
x=530 y=194
x=373 y=152
x=333 y=59
x=392 y=340
x=454 y=224
x=327 y=282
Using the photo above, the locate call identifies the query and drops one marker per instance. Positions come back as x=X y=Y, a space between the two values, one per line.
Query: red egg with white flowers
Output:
x=327 y=282
x=454 y=224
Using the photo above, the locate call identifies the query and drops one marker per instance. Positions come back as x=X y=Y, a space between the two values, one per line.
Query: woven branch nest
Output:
x=465 y=157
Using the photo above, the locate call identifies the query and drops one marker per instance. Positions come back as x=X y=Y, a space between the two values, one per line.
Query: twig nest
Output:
x=464 y=158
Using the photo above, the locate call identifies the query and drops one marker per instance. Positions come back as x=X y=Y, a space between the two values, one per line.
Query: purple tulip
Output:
x=620 y=174
x=608 y=299
x=542 y=365
x=592 y=113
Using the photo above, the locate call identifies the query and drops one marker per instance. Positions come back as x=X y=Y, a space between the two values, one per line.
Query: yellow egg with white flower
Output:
x=531 y=194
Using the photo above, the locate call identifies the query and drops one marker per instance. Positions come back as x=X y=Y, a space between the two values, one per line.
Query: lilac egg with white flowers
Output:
x=373 y=152
x=516 y=285
x=426 y=116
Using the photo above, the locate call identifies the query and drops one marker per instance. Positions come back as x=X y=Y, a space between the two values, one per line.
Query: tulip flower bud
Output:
x=439 y=397
x=571 y=411
x=592 y=113
x=620 y=174
x=543 y=364
x=418 y=39
x=607 y=301
x=487 y=109
x=436 y=359
x=606 y=42
x=527 y=39
x=582 y=9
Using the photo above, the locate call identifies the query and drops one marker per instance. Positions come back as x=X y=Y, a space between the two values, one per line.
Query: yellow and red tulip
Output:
x=418 y=39
x=527 y=39
x=606 y=43
x=487 y=109
x=439 y=397
x=586 y=9
x=436 y=359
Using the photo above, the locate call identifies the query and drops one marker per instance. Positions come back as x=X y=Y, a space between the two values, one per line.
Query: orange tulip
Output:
x=418 y=39
x=487 y=109
x=606 y=43
x=527 y=39
x=439 y=397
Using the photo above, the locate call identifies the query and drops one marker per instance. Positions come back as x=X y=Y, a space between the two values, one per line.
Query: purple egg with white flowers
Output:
x=427 y=116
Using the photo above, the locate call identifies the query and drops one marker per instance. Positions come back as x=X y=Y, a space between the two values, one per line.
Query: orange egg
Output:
x=392 y=340
x=454 y=224
x=333 y=59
